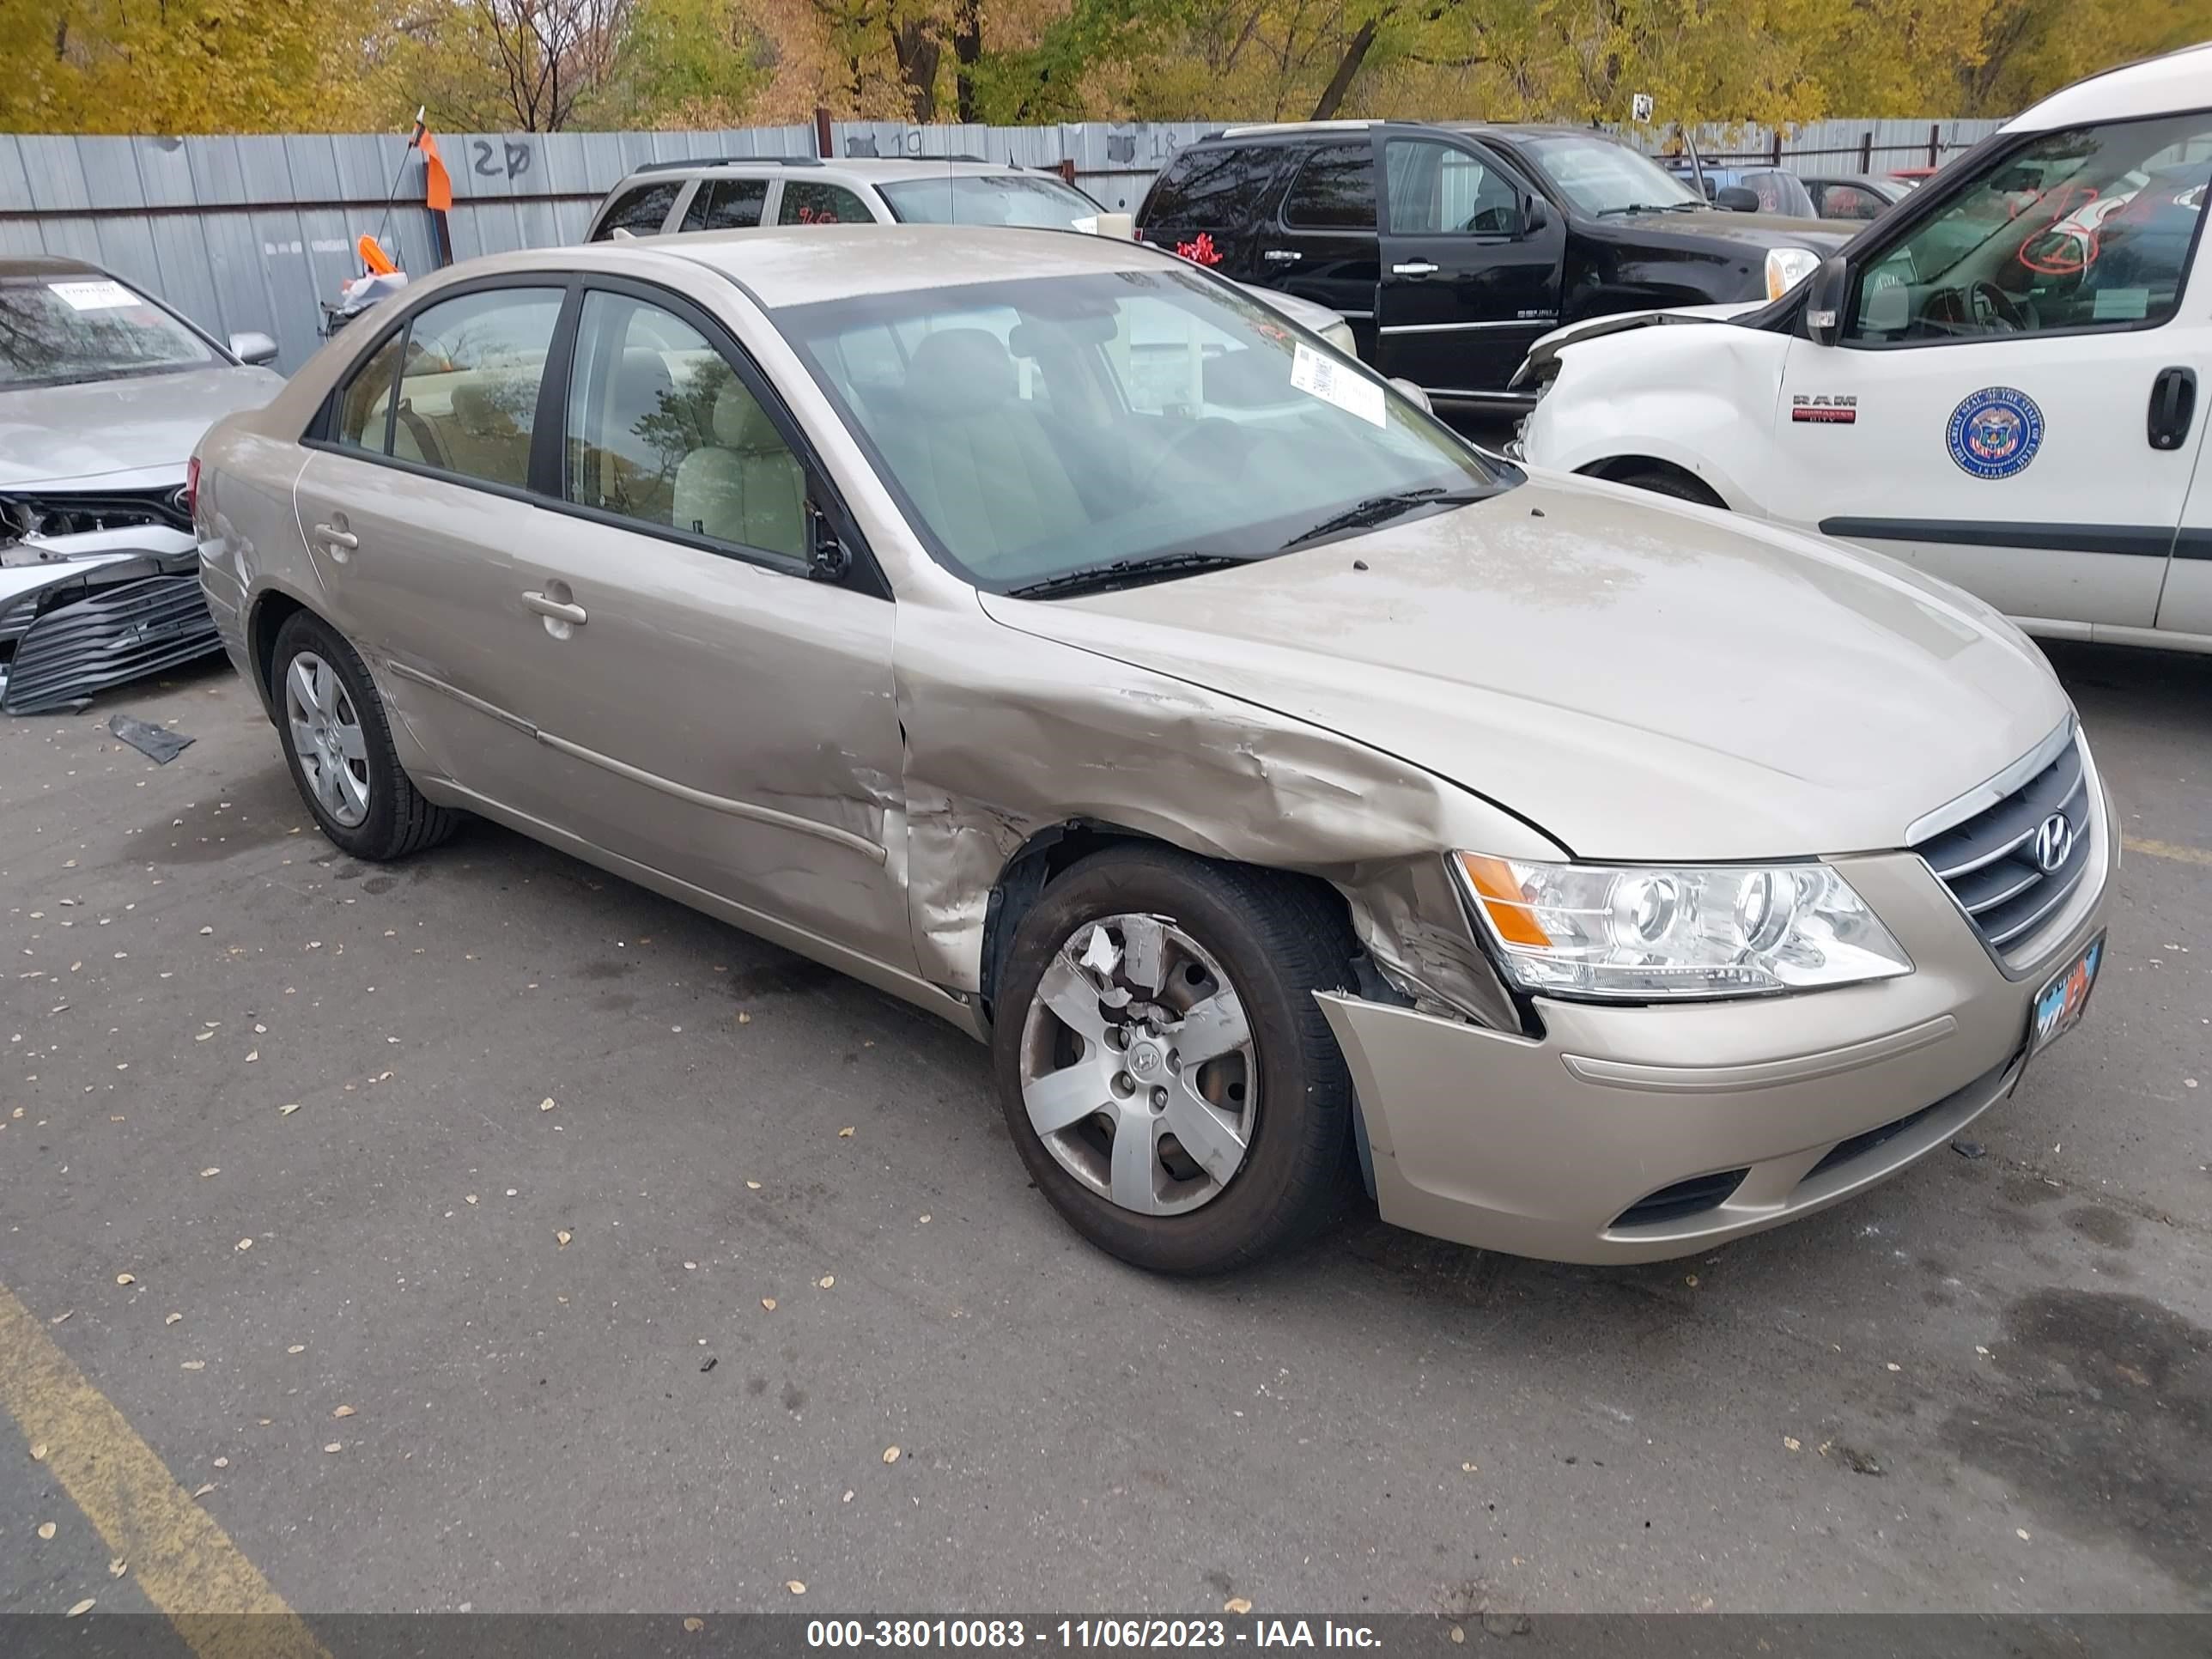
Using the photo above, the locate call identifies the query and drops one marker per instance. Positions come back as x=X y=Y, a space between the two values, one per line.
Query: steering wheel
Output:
x=1981 y=304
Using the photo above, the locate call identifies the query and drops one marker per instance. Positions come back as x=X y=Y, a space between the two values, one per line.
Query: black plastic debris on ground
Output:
x=156 y=743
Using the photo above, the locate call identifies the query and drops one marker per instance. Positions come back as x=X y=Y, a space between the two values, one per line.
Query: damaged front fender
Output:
x=1009 y=736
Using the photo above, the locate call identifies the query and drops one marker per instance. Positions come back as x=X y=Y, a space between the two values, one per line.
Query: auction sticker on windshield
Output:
x=2059 y=1003
x=1320 y=377
x=94 y=296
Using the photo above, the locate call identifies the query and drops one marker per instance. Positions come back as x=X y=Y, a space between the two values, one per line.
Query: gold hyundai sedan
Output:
x=1034 y=627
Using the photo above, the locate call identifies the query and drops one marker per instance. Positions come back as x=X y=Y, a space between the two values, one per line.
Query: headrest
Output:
x=642 y=377
x=960 y=371
x=740 y=422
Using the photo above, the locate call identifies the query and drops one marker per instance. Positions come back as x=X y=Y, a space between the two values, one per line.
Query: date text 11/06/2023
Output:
x=1082 y=1634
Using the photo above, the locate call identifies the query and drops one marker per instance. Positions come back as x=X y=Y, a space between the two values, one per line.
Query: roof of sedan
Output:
x=45 y=264
x=796 y=264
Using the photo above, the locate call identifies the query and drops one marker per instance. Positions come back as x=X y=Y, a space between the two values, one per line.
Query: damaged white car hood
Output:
x=119 y=432
x=1639 y=679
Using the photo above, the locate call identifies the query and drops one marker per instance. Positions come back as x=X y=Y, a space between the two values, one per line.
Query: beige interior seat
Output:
x=746 y=486
x=485 y=438
x=969 y=424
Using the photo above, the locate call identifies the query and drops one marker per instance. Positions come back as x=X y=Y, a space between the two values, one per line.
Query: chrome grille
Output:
x=1993 y=862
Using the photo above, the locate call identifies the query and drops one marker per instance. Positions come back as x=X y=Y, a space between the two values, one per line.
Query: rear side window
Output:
x=642 y=210
x=808 y=201
x=726 y=204
x=1214 y=189
x=1845 y=202
x=363 y=410
x=468 y=383
x=1335 y=190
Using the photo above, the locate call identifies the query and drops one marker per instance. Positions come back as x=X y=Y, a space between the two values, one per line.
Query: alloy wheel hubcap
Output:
x=326 y=736
x=1137 y=1066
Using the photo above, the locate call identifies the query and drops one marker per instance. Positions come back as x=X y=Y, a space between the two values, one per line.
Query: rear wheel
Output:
x=1165 y=1070
x=338 y=743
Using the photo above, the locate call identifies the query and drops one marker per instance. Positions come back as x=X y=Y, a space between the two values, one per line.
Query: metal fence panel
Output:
x=247 y=233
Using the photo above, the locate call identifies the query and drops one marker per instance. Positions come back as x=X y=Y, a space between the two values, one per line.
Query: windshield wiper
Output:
x=1126 y=573
x=1380 y=509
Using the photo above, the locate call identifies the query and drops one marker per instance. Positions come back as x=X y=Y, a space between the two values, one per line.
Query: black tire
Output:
x=400 y=822
x=1279 y=939
x=1662 y=481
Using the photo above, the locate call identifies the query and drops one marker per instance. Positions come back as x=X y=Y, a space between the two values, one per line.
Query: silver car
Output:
x=103 y=392
x=739 y=192
x=1035 y=627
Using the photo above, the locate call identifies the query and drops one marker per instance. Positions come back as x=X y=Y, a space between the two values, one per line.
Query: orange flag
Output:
x=437 y=184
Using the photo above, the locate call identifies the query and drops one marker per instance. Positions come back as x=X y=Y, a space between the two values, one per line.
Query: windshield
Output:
x=1599 y=176
x=54 y=331
x=1001 y=198
x=1043 y=427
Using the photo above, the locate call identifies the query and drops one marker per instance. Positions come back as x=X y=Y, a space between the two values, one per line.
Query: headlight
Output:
x=1786 y=267
x=1339 y=334
x=1647 y=932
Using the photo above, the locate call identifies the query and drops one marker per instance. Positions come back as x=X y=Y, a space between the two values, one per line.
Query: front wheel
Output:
x=1165 y=1070
x=338 y=743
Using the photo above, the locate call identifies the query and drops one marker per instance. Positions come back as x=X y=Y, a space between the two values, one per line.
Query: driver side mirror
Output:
x=1736 y=198
x=1534 y=215
x=253 y=347
x=1412 y=393
x=1826 y=292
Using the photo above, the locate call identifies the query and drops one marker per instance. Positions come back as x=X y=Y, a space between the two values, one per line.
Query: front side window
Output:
x=809 y=202
x=57 y=330
x=726 y=204
x=642 y=210
x=468 y=384
x=991 y=199
x=1436 y=187
x=662 y=431
x=1335 y=190
x=1184 y=419
x=2091 y=228
x=1602 y=177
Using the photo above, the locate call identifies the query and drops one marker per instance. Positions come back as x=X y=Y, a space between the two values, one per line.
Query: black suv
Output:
x=1452 y=248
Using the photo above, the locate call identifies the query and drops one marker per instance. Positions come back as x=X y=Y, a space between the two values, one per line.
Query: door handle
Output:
x=2172 y=407
x=573 y=615
x=337 y=537
x=1282 y=256
x=1413 y=267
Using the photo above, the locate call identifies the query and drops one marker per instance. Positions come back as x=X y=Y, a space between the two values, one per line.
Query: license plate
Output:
x=2059 y=1003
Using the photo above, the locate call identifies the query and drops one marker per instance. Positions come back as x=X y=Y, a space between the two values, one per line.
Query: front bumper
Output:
x=82 y=612
x=1634 y=1134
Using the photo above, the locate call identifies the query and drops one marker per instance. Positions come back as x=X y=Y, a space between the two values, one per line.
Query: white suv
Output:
x=1998 y=381
x=741 y=192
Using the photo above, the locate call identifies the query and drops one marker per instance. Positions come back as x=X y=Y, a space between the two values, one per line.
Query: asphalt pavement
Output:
x=500 y=1236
